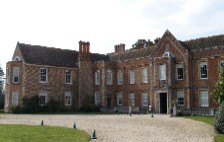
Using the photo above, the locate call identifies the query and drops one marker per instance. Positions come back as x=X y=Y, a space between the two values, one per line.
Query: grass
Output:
x=208 y=120
x=27 y=133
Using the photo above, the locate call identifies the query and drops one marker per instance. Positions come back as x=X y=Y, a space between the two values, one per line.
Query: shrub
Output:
x=53 y=106
x=219 y=119
x=31 y=105
x=15 y=109
x=90 y=108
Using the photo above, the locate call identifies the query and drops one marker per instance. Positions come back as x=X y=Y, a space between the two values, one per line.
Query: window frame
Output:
x=131 y=97
x=202 y=100
x=162 y=72
x=7 y=99
x=221 y=63
x=181 y=75
x=120 y=99
x=68 y=94
x=109 y=78
x=15 y=74
x=131 y=76
x=97 y=77
x=7 y=75
x=201 y=66
x=144 y=99
x=43 y=75
x=44 y=94
x=180 y=94
x=97 y=101
x=120 y=77
x=144 y=75
x=15 y=100
x=68 y=76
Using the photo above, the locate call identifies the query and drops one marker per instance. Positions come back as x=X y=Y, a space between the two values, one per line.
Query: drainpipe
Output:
x=193 y=81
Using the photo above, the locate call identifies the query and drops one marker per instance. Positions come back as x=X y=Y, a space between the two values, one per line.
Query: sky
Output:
x=104 y=23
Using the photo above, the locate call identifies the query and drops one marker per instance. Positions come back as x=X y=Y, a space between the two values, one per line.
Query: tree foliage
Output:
x=219 y=120
x=142 y=43
x=219 y=91
x=1 y=88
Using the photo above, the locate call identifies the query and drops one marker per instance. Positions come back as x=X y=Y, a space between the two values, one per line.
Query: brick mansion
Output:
x=160 y=74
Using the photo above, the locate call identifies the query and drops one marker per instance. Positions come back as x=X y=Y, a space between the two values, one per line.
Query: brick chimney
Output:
x=84 y=50
x=119 y=48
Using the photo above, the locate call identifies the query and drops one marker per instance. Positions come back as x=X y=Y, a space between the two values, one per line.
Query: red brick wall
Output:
x=29 y=82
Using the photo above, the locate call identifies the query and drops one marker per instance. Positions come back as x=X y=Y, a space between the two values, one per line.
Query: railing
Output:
x=197 y=111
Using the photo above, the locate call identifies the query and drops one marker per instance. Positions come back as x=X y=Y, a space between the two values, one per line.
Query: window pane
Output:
x=43 y=75
x=144 y=75
x=180 y=98
x=68 y=99
x=204 y=98
x=15 y=74
x=120 y=77
x=97 y=98
x=222 y=63
x=179 y=70
x=119 y=99
x=204 y=72
x=68 y=77
x=109 y=77
x=162 y=72
x=7 y=75
x=132 y=99
x=144 y=99
x=97 y=77
x=15 y=98
x=43 y=98
x=132 y=77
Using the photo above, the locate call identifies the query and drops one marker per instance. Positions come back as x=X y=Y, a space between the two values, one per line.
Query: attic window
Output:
x=16 y=58
x=168 y=54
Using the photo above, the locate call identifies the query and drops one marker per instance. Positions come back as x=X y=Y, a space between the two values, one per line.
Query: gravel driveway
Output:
x=123 y=128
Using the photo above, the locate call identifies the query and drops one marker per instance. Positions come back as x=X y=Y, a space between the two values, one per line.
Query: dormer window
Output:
x=168 y=54
x=17 y=58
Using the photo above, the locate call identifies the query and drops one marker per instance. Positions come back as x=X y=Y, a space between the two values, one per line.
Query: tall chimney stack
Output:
x=119 y=48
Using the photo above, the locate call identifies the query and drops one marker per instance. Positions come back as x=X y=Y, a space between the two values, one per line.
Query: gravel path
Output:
x=123 y=128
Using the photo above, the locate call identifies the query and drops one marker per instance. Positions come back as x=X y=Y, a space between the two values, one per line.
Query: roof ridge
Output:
x=201 y=38
x=49 y=47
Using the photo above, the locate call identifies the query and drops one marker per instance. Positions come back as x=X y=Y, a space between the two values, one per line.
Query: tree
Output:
x=219 y=91
x=141 y=43
x=1 y=88
x=219 y=119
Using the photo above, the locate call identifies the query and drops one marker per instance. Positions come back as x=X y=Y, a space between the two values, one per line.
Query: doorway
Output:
x=163 y=103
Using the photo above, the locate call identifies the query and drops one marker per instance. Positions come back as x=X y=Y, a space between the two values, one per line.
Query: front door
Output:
x=163 y=103
x=109 y=102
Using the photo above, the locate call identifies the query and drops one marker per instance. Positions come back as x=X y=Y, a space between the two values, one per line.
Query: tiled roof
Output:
x=129 y=54
x=41 y=55
x=98 y=57
x=207 y=42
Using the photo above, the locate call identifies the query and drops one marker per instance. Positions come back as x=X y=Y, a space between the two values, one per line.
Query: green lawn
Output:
x=209 y=120
x=28 y=133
